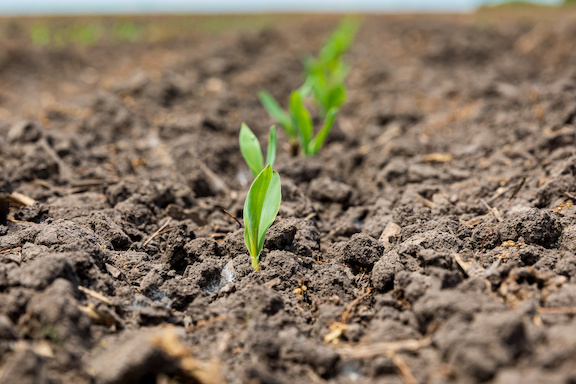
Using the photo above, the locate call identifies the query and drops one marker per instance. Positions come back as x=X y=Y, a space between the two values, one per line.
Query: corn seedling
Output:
x=310 y=143
x=260 y=210
x=326 y=75
x=251 y=151
x=325 y=83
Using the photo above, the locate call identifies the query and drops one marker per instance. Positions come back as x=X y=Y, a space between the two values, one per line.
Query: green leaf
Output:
x=271 y=152
x=277 y=113
x=325 y=81
x=310 y=68
x=336 y=97
x=260 y=210
x=302 y=118
x=318 y=141
x=340 y=40
x=251 y=151
x=339 y=72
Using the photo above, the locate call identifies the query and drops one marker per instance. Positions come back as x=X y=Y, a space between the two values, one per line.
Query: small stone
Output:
x=24 y=132
x=391 y=229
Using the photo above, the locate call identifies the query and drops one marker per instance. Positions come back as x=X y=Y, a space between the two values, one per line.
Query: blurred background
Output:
x=48 y=22
x=52 y=50
x=14 y=7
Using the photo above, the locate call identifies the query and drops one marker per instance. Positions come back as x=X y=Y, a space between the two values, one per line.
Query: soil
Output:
x=433 y=240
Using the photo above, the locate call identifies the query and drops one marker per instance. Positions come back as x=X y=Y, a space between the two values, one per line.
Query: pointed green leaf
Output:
x=336 y=97
x=318 y=141
x=339 y=72
x=251 y=151
x=302 y=119
x=271 y=152
x=269 y=208
x=260 y=210
x=253 y=209
x=340 y=40
x=277 y=113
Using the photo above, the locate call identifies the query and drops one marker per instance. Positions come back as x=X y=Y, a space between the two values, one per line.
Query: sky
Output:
x=16 y=7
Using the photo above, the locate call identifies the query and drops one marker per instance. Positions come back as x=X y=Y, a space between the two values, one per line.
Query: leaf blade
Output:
x=275 y=110
x=271 y=152
x=303 y=120
x=260 y=209
x=340 y=40
x=270 y=207
x=336 y=97
x=318 y=141
x=253 y=209
x=251 y=151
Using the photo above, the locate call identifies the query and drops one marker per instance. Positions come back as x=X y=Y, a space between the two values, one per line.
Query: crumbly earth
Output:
x=433 y=240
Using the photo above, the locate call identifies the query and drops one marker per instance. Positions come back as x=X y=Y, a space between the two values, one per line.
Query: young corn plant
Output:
x=309 y=143
x=326 y=75
x=251 y=151
x=325 y=84
x=260 y=210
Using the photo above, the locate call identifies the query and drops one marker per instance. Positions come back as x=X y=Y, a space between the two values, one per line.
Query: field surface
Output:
x=433 y=240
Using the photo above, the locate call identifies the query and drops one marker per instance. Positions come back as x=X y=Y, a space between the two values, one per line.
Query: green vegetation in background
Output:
x=41 y=34
x=87 y=34
x=514 y=4
x=58 y=32
x=127 y=31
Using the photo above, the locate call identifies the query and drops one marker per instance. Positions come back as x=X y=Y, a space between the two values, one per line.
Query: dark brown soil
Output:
x=433 y=240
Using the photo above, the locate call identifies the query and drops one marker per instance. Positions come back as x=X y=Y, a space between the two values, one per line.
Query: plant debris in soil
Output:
x=433 y=240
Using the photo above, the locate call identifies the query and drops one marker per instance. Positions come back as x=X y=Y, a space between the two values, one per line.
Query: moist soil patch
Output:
x=433 y=240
